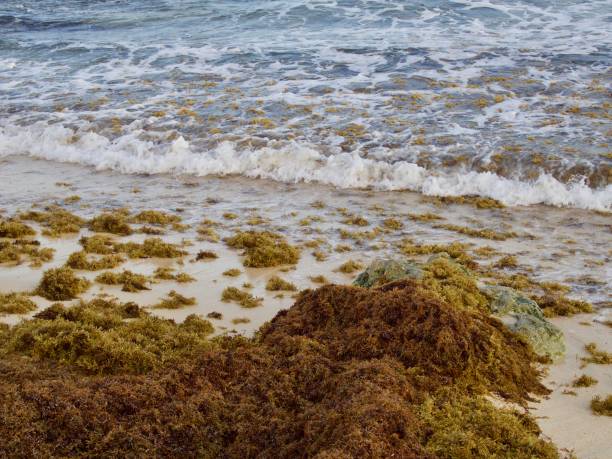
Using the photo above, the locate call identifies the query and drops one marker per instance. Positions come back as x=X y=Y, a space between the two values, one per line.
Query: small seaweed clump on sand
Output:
x=155 y=217
x=153 y=247
x=175 y=300
x=244 y=299
x=79 y=260
x=15 y=229
x=55 y=221
x=345 y=372
x=15 y=251
x=275 y=284
x=164 y=273
x=602 y=407
x=584 y=381
x=596 y=356
x=130 y=282
x=115 y=222
x=16 y=303
x=264 y=249
x=349 y=267
x=61 y=284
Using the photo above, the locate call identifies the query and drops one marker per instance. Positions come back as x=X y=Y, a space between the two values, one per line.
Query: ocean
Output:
x=503 y=99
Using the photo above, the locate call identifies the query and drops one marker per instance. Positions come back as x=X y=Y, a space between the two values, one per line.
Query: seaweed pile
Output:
x=391 y=371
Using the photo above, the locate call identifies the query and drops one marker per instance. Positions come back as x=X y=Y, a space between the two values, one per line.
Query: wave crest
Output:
x=294 y=162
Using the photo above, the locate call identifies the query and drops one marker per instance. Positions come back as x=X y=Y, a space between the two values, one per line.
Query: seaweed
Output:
x=79 y=260
x=320 y=279
x=485 y=233
x=207 y=234
x=559 y=305
x=150 y=248
x=241 y=320
x=155 y=217
x=55 y=221
x=275 y=284
x=175 y=300
x=584 y=381
x=477 y=201
x=112 y=222
x=15 y=229
x=345 y=372
x=456 y=250
x=244 y=299
x=356 y=220
x=61 y=284
x=214 y=315
x=233 y=272
x=469 y=427
x=129 y=281
x=206 y=255
x=164 y=273
x=349 y=267
x=507 y=261
x=93 y=337
x=602 y=407
x=596 y=355
x=392 y=224
x=98 y=243
x=264 y=249
x=16 y=303
x=15 y=251
x=454 y=284
x=426 y=217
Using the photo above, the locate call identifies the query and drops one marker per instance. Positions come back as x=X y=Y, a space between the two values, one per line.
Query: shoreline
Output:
x=360 y=227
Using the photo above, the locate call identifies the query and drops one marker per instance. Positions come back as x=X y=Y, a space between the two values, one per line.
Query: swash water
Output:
x=507 y=99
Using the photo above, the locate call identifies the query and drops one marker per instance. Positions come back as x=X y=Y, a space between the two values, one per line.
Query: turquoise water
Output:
x=508 y=99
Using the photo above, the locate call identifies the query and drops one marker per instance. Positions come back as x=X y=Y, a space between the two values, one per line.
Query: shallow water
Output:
x=498 y=98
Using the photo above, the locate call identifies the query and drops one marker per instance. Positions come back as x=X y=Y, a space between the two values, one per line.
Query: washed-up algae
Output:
x=129 y=281
x=16 y=303
x=16 y=251
x=150 y=248
x=55 y=221
x=345 y=372
x=80 y=260
x=61 y=284
x=602 y=407
x=15 y=229
x=175 y=300
x=115 y=222
x=275 y=284
x=264 y=249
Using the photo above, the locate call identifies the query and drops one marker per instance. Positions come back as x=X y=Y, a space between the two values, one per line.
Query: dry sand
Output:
x=567 y=419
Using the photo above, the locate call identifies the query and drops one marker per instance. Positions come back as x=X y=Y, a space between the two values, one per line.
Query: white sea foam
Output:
x=293 y=163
